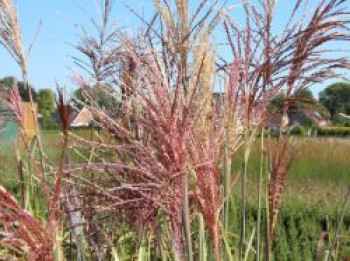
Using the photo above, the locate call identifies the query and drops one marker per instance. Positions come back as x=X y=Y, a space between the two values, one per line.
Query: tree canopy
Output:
x=301 y=100
x=336 y=98
x=44 y=98
x=8 y=83
x=102 y=96
x=46 y=102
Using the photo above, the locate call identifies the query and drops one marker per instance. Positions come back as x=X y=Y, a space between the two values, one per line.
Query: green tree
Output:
x=8 y=82
x=299 y=100
x=102 y=95
x=336 y=98
x=46 y=102
x=46 y=106
x=276 y=104
x=305 y=100
x=305 y=94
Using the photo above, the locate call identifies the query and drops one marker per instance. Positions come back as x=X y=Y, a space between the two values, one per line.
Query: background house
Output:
x=307 y=118
x=305 y=111
x=8 y=126
x=81 y=118
x=303 y=118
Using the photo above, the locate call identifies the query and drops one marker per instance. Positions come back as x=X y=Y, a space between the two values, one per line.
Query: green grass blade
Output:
x=227 y=248
x=187 y=221
x=115 y=254
x=260 y=183
x=249 y=247
x=203 y=251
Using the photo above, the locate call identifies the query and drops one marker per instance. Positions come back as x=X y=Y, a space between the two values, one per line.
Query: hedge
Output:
x=332 y=131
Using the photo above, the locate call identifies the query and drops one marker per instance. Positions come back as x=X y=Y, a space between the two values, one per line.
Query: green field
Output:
x=315 y=159
x=320 y=171
x=318 y=177
x=313 y=199
x=8 y=161
x=315 y=191
x=321 y=165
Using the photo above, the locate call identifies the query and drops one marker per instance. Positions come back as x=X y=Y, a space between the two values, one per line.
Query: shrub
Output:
x=332 y=131
x=298 y=130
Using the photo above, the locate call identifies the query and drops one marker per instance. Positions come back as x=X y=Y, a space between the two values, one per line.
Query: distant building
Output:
x=82 y=118
x=304 y=117
x=8 y=122
x=8 y=126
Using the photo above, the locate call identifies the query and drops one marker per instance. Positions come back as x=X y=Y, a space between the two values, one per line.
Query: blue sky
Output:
x=51 y=60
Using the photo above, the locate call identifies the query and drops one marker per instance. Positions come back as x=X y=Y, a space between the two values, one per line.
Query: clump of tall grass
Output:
x=10 y=33
x=35 y=240
x=22 y=234
x=167 y=107
x=161 y=162
x=168 y=151
x=287 y=62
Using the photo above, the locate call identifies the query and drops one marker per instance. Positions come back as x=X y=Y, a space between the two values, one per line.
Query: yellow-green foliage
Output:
x=333 y=131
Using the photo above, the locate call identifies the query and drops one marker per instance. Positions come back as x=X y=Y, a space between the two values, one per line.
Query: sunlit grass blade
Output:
x=249 y=247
